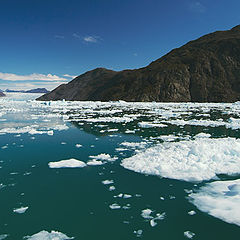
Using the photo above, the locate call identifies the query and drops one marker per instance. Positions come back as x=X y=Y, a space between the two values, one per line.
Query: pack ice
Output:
x=192 y=160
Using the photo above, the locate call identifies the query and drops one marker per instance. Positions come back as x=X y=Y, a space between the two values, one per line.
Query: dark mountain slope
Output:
x=203 y=70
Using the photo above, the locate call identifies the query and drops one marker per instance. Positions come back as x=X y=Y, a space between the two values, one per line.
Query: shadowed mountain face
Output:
x=204 y=70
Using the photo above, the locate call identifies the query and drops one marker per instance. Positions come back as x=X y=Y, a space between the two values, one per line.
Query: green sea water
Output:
x=74 y=201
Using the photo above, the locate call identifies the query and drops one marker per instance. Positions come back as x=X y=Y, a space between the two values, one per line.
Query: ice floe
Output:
x=69 y=163
x=107 y=182
x=78 y=145
x=95 y=162
x=146 y=214
x=111 y=188
x=104 y=157
x=231 y=123
x=114 y=206
x=45 y=235
x=20 y=210
x=138 y=232
x=189 y=234
x=193 y=160
x=220 y=199
x=3 y=236
x=191 y=213
x=151 y=125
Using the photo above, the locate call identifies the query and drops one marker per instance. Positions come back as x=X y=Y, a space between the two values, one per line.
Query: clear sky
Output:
x=46 y=42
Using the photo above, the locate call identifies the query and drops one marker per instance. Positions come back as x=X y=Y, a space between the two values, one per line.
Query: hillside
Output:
x=203 y=70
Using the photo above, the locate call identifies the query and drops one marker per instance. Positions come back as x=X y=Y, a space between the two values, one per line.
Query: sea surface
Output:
x=118 y=170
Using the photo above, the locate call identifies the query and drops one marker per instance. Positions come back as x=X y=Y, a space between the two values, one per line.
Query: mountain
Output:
x=203 y=70
x=9 y=90
x=2 y=94
x=37 y=90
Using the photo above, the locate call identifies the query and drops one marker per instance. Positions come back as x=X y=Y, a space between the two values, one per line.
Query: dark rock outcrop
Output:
x=203 y=70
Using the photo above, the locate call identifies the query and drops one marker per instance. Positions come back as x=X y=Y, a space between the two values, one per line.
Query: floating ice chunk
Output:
x=61 y=127
x=232 y=123
x=189 y=234
x=220 y=199
x=112 y=188
x=146 y=213
x=121 y=149
x=123 y=119
x=114 y=206
x=20 y=210
x=126 y=207
x=107 y=182
x=63 y=143
x=188 y=191
x=134 y=144
x=153 y=223
x=95 y=162
x=120 y=195
x=50 y=133
x=130 y=131
x=112 y=130
x=70 y=163
x=138 y=232
x=191 y=213
x=127 y=196
x=3 y=236
x=151 y=125
x=203 y=135
x=193 y=160
x=34 y=131
x=44 y=235
x=78 y=145
x=160 y=216
x=104 y=156
x=167 y=138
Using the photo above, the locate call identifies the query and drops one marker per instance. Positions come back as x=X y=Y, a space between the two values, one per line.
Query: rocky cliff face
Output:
x=203 y=70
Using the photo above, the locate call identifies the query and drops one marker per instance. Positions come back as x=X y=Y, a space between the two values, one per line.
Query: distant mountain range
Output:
x=203 y=70
x=37 y=90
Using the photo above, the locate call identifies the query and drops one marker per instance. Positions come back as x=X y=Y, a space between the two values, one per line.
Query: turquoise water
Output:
x=74 y=201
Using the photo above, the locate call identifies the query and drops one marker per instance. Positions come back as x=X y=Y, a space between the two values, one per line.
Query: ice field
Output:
x=88 y=170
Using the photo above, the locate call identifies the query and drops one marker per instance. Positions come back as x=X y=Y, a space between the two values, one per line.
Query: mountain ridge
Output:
x=203 y=70
x=35 y=90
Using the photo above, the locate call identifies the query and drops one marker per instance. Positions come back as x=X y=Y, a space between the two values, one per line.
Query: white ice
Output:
x=151 y=125
x=189 y=234
x=114 y=206
x=44 y=235
x=193 y=160
x=69 y=163
x=104 y=157
x=220 y=199
x=95 y=162
x=107 y=182
x=20 y=210
x=3 y=236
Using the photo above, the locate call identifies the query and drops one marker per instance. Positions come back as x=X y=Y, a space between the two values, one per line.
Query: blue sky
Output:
x=46 y=42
